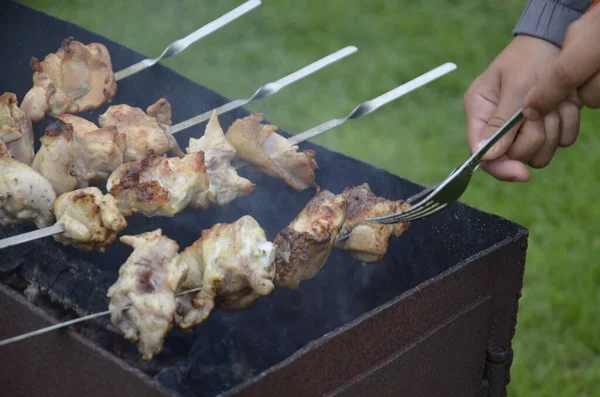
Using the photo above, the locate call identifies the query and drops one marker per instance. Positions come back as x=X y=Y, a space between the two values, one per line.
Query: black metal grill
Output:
x=436 y=316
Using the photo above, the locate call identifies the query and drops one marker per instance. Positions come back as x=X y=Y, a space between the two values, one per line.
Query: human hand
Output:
x=499 y=92
x=575 y=70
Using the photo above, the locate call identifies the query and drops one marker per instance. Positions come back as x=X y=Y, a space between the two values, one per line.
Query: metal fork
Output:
x=450 y=189
x=177 y=46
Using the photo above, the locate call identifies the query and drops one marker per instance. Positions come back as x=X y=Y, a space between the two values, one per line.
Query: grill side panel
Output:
x=59 y=363
x=342 y=361
x=445 y=362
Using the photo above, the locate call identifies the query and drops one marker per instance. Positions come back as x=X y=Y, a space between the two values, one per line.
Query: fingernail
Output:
x=531 y=114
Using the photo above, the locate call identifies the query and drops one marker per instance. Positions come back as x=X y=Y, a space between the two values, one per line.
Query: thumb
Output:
x=577 y=62
x=509 y=103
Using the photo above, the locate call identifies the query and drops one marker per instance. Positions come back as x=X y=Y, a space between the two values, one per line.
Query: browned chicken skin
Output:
x=15 y=129
x=158 y=185
x=74 y=153
x=147 y=281
x=92 y=220
x=232 y=263
x=99 y=151
x=273 y=154
x=304 y=246
x=56 y=157
x=368 y=242
x=77 y=78
x=144 y=132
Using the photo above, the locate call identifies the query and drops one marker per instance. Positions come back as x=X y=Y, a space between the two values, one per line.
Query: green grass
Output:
x=421 y=136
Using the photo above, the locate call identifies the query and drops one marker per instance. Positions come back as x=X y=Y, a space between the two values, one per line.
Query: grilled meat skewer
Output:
x=232 y=266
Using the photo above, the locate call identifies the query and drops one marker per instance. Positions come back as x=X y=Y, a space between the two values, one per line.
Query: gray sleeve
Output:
x=549 y=19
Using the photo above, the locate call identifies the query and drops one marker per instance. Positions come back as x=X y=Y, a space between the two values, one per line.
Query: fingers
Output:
x=535 y=145
x=552 y=127
x=508 y=105
x=505 y=169
x=589 y=94
x=577 y=62
x=528 y=142
x=570 y=119
x=480 y=101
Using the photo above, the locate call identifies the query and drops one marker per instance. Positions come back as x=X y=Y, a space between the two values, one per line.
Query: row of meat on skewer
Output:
x=75 y=154
x=133 y=155
x=124 y=151
x=234 y=264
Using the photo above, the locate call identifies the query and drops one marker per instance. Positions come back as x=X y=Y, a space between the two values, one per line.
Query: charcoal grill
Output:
x=435 y=318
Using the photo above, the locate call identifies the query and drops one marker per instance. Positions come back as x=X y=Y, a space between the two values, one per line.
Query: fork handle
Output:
x=510 y=123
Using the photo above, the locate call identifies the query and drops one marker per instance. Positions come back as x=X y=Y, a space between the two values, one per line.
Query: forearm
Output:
x=550 y=19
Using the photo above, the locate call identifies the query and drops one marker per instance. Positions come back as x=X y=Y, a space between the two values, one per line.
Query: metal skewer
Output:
x=361 y=110
x=264 y=91
x=74 y=321
x=268 y=89
x=367 y=107
x=178 y=46
x=372 y=105
x=58 y=227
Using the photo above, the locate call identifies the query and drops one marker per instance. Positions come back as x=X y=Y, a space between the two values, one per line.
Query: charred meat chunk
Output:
x=91 y=220
x=304 y=246
x=366 y=241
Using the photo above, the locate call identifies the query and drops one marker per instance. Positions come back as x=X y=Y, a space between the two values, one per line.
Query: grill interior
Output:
x=230 y=347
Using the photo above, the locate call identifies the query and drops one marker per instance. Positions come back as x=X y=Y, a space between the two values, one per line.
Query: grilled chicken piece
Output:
x=161 y=111
x=232 y=263
x=225 y=184
x=10 y=127
x=99 y=150
x=77 y=78
x=368 y=242
x=304 y=246
x=144 y=132
x=79 y=124
x=147 y=281
x=158 y=185
x=26 y=195
x=273 y=154
x=15 y=129
x=91 y=220
x=75 y=153
x=56 y=157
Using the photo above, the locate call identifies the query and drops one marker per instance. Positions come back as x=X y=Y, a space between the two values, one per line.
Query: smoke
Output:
x=232 y=347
